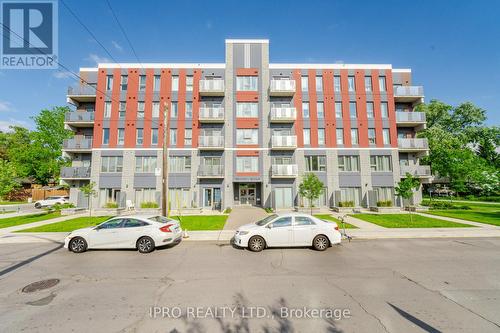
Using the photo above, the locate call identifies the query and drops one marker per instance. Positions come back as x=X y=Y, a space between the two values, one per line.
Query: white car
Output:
x=292 y=229
x=52 y=200
x=141 y=232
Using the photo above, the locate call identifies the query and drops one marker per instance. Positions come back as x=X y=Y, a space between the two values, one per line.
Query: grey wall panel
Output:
x=110 y=180
x=349 y=180
x=112 y=153
x=146 y=180
x=383 y=179
x=179 y=180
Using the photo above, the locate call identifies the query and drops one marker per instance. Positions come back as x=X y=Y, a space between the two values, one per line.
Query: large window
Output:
x=247 y=136
x=354 y=136
x=120 y=136
x=315 y=163
x=338 y=109
x=155 y=107
x=281 y=160
x=107 y=110
x=321 y=136
x=352 y=110
x=380 y=163
x=319 y=83
x=246 y=83
x=111 y=164
x=123 y=82
x=304 y=82
x=368 y=84
x=174 y=111
x=173 y=136
x=189 y=83
x=142 y=82
x=382 y=83
x=307 y=136
x=336 y=84
x=351 y=84
x=175 y=83
x=371 y=136
x=109 y=82
x=122 y=109
x=178 y=164
x=107 y=195
x=189 y=110
x=156 y=83
x=384 y=110
x=154 y=136
x=139 y=137
x=339 y=132
x=369 y=110
x=145 y=163
x=384 y=193
x=140 y=110
x=247 y=164
x=179 y=198
x=188 y=137
x=247 y=110
x=145 y=195
x=386 y=136
x=105 y=136
x=349 y=163
x=350 y=194
x=320 y=109
x=305 y=110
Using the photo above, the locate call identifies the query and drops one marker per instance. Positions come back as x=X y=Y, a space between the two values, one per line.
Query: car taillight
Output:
x=337 y=227
x=166 y=228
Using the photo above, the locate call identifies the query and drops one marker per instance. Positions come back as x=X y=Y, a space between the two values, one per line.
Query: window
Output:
x=139 y=138
x=247 y=110
x=179 y=164
x=354 y=136
x=122 y=109
x=156 y=83
x=114 y=224
x=247 y=164
x=109 y=82
x=246 y=83
x=154 y=136
x=350 y=194
x=189 y=109
x=384 y=193
x=369 y=110
x=140 y=110
x=351 y=84
x=108 y=195
x=380 y=163
x=123 y=82
x=315 y=163
x=111 y=164
x=107 y=109
x=304 y=82
x=155 y=110
x=303 y=220
x=189 y=83
x=384 y=110
x=247 y=136
x=381 y=83
x=338 y=109
x=371 y=136
x=282 y=222
x=336 y=83
x=321 y=136
x=349 y=163
x=145 y=195
x=320 y=110
x=386 y=137
x=142 y=82
x=368 y=84
x=340 y=136
x=307 y=136
x=179 y=198
x=174 y=111
x=120 y=136
x=352 y=110
x=145 y=163
x=281 y=160
x=105 y=136
x=305 y=110
x=188 y=136
x=175 y=83
x=319 y=83
x=173 y=136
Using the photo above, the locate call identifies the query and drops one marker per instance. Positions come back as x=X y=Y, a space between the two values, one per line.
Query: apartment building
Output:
x=244 y=131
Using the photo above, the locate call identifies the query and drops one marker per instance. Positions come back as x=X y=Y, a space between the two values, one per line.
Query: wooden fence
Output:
x=39 y=194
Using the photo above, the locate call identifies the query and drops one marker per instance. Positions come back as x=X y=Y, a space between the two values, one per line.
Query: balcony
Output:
x=75 y=173
x=413 y=144
x=283 y=115
x=213 y=87
x=410 y=119
x=284 y=171
x=211 y=171
x=81 y=94
x=78 y=144
x=79 y=119
x=421 y=171
x=284 y=142
x=282 y=87
x=211 y=115
x=409 y=94
x=211 y=142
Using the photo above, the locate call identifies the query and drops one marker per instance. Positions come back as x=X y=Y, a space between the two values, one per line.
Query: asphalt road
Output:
x=448 y=285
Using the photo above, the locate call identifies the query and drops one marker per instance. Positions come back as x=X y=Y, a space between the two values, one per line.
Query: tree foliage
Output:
x=311 y=188
x=8 y=180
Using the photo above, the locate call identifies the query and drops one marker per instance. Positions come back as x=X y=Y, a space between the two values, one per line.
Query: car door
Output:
x=279 y=232
x=130 y=232
x=106 y=235
x=303 y=230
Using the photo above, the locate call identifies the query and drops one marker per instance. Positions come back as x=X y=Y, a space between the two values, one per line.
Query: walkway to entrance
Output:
x=243 y=215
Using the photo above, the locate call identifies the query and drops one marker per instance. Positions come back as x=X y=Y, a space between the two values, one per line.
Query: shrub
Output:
x=227 y=210
x=111 y=204
x=269 y=210
x=386 y=203
x=446 y=205
x=346 y=204
x=149 y=204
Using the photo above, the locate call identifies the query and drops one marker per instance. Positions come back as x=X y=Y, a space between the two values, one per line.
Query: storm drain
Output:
x=40 y=285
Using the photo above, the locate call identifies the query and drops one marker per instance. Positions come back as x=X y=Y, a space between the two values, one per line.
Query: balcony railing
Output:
x=284 y=142
x=410 y=117
x=211 y=171
x=82 y=93
x=79 y=117
x=211 y=142
x=415 y=170
x=282 y=87
x=213 y=87
x=283 y=114
x=408 y=93
x=75 y=172
x=284 y=170
x=211 y=114
x=78 y=142
x=413 y=144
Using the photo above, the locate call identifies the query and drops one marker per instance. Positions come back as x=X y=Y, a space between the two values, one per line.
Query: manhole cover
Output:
x=40 y=285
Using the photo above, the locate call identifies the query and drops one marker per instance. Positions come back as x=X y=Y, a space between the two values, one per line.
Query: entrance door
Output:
x=283 y=197
x=212 y=198
x=247 y=194
x=207 y=197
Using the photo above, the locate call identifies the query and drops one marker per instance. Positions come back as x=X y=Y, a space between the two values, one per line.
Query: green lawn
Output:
x=483 y=213
x=18 y=220
x=201 y=222
x=403 y=221
x=12 y=202
x=331 y=218
x=69 y=225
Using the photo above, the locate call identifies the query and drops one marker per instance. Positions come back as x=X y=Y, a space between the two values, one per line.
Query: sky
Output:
x=452 y=47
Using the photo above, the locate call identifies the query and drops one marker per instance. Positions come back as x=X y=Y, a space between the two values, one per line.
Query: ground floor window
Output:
x=108 y=196
x=283 y=197
x=384 y=193
x=180 y=198
x=145 y=195
x=350 y=194
x=320 y=202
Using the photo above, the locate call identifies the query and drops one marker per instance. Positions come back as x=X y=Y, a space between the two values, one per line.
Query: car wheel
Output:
x=256 y=244
x=77 y=245
x=145 y=244
x=321 y=243
x=38 y=205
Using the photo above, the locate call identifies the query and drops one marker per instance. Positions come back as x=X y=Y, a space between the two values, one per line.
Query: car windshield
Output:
x=266 y=220
x=161 y=219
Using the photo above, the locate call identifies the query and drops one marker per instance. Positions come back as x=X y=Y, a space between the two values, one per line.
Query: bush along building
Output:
x=244 y=132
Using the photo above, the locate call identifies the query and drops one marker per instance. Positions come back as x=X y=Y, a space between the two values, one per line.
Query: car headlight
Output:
x=243 y=233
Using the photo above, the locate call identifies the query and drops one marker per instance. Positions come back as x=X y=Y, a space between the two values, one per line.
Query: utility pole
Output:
x=164 y=205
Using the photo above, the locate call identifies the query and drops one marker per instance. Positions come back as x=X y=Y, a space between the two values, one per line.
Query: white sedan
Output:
x=141 y=232
x=288 y=230
x=52 y=200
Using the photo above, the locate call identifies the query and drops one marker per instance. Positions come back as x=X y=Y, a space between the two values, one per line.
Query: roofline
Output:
x=247 y=41
x=402 y=70
x=330 y=66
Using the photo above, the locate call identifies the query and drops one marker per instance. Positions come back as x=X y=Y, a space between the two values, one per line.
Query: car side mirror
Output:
x=269 y=226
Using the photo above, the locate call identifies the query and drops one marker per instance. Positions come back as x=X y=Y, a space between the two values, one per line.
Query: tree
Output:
x=8 y=180
x=89 y=191
x=406 y=187
x=311 y=188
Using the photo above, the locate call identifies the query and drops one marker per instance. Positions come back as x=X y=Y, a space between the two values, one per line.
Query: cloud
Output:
x=5 y=106
x=5 y=124
x=62 y=75
x=97 y=59
x=117 y=46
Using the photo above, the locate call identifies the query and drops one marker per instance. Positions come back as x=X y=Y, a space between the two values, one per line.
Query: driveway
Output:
x=242 y=215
